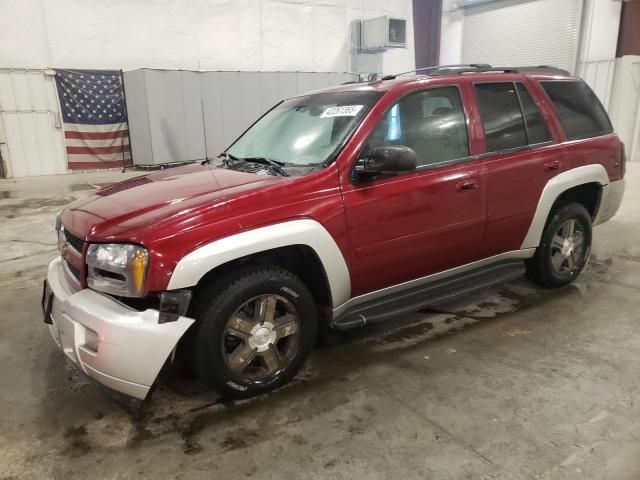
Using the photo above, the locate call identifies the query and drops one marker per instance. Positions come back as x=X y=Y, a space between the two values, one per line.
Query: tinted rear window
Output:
x=536 y=128
x=581 y=113
x=501 y=116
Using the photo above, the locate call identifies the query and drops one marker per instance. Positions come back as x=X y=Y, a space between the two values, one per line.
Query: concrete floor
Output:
x=513 y=383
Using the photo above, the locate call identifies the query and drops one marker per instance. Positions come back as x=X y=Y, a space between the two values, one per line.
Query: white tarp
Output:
x=249 y=35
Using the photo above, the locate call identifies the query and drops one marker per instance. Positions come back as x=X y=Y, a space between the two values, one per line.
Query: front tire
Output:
x=256 y=331
x=564 y=248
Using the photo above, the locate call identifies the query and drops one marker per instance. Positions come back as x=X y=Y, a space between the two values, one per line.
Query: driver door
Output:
x=431 y=219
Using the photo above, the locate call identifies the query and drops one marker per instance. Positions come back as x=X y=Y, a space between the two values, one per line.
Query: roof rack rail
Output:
x=535 y=69
x=479 y=68
x=435 y=68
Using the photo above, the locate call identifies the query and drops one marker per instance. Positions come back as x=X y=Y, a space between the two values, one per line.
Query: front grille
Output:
x=73 y=256
x=76 y=242
x=74 y=271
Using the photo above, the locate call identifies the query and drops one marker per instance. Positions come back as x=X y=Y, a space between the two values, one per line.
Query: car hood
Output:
x=143 y=202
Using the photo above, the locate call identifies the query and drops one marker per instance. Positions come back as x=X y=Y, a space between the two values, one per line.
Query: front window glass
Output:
x=431 y=122
x=304 y=131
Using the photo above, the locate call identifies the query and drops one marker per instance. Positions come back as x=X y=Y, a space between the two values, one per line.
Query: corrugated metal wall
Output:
x=31 y=137
x=171 y=112
x=599 y=75
x=598 y=42
x=624 y=107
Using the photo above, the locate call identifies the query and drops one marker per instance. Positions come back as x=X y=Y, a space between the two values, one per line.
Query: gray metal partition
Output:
x=172 y=111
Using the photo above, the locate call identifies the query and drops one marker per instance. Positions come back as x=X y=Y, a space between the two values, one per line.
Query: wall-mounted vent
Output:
x=383 y=32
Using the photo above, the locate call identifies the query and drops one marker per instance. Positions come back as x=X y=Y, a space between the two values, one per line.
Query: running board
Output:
x=429 y=294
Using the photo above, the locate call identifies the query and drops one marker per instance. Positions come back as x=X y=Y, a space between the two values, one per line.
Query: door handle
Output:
x=467 y=186
x=553 y=165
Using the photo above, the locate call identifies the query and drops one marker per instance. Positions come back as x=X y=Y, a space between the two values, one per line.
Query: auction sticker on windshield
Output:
x=342 y=111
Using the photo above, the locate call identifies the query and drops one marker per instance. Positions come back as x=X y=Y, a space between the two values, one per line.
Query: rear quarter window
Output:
x=581 y=113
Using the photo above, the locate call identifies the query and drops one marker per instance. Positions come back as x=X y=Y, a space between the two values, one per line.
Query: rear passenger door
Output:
x=520 y=158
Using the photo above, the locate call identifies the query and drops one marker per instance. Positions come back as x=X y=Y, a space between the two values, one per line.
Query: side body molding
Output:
x=553 y=189
x=193 y=266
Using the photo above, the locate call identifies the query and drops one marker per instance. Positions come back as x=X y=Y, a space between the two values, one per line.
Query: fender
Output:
x=610 y=201
x=193 y=266
x=553 y=189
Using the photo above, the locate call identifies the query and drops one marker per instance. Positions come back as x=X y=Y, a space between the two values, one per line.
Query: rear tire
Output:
x=256 y=331
x=564 y=247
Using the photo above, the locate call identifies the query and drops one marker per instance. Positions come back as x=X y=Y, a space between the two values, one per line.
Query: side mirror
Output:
x=385 y=160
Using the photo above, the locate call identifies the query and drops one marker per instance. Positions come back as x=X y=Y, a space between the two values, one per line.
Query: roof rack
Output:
x=542 y=69
x=480 y=68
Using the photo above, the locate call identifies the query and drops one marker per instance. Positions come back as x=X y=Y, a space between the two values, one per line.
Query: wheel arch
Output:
x=303 y=246
x=588 y=195
x=578 y=184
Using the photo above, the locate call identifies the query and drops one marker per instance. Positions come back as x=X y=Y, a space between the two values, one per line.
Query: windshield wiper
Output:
x=225 y=158
x=277 y=166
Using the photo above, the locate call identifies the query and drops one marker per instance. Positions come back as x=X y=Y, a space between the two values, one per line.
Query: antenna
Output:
x=204 y=132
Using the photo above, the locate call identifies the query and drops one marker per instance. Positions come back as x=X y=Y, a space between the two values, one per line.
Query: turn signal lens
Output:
x=138 y=270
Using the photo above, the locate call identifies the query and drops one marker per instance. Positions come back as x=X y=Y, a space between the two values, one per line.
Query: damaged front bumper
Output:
x=121 y=348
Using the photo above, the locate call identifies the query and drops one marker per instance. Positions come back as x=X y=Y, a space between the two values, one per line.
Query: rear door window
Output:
x=502 y=118
x=581 y=113
x=534 y=122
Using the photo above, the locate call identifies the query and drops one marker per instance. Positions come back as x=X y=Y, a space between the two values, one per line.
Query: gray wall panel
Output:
x=211 y=92
x=193 y=105
x=338 y=78
x=233 y=106
x=166 y=116
x=312 y=81
x=138 y=114
x=170 y=111
x=275 y=87
x=288 y=86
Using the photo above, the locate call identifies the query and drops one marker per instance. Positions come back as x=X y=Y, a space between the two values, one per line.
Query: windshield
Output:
x=304 y=131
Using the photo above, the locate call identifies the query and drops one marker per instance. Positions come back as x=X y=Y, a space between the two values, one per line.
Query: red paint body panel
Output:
x=413 y=225
x=389 y=231
x=514 y=185
x=175 y=211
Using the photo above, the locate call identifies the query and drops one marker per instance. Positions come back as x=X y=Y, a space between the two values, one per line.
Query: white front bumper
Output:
x=132 y=346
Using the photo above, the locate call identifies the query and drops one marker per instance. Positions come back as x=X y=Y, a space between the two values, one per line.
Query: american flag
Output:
x=95 y=119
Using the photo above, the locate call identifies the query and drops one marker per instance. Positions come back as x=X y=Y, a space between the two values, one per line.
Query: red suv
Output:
x=338 y=208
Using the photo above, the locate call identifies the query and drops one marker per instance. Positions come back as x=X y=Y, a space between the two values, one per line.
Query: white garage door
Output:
x=517 y=33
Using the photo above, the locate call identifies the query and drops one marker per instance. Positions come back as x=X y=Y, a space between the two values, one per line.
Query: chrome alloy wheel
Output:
x=567 y=247
x=261 y=337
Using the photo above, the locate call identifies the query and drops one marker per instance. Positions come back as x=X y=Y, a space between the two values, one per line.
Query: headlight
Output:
x=118 y=269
